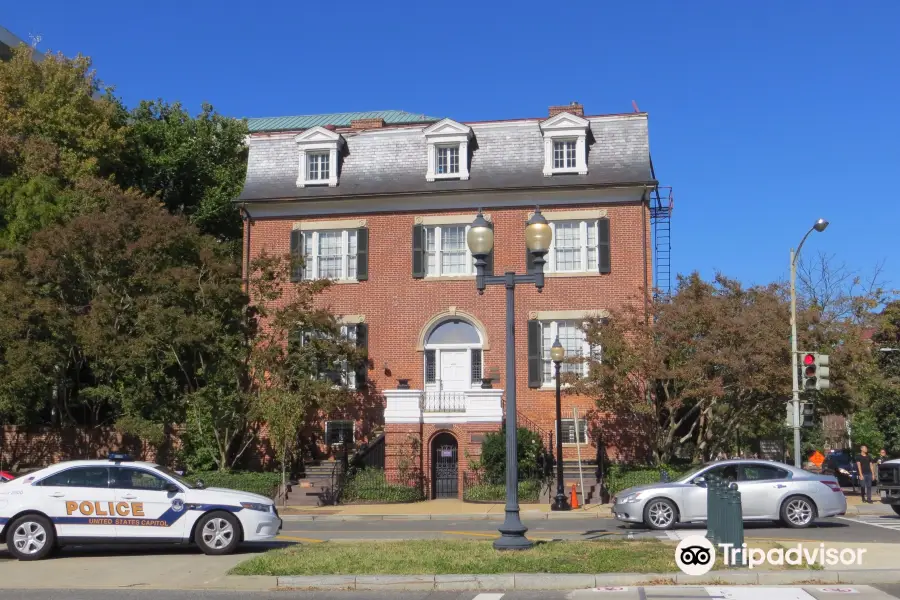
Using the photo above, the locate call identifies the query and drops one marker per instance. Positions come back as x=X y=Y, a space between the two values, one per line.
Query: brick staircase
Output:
x=570 y=477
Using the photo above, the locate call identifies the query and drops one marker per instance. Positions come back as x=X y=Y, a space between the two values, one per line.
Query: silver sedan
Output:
x=770 y=491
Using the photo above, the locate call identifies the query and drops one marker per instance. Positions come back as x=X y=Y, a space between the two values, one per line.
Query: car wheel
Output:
x=798 y=512
x=218 y=533
x=31 y=537
x=660 y=514
x=896 y=508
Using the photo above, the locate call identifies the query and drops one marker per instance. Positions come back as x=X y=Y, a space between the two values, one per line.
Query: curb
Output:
x=536 y=516
x=543 y=581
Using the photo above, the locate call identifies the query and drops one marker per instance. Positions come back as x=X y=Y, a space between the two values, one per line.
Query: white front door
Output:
x=455 y=370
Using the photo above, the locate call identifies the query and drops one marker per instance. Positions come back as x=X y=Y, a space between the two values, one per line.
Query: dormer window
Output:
x=320 y=151
x=317 y=164
x=447 y=160
x=448 y=150
x=565 y=144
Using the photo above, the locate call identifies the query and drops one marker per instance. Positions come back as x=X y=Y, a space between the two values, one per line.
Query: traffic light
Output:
x=807 y=415
x=815 y=372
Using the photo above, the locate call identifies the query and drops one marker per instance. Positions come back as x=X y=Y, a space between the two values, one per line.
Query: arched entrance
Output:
x=444 y=466
x=453 y=356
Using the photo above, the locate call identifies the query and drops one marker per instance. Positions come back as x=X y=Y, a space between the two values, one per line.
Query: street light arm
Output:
x=797 y=251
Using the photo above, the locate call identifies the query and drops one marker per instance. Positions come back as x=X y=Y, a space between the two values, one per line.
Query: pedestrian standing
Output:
x=865 y=467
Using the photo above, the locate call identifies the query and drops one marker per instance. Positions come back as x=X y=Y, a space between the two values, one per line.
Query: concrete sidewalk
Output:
x=453 y=509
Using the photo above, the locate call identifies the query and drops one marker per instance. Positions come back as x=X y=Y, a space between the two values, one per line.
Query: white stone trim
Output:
x=448 y=132
x=573 y=215
x=405 y=406
x=332 y=224
x=449 y=219
x=567 y=315
x=319 y=139
x=351 y=319
x=565 y=127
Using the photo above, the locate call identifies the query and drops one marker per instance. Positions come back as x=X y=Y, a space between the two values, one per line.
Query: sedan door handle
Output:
x=780 y=485
x=57 y=495
x=129 y=497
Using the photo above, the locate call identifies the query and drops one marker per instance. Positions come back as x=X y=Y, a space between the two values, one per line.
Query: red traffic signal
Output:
x=809 y=359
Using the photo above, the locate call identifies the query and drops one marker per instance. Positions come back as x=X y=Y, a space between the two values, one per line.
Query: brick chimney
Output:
x=361 y=124
x=575 y=108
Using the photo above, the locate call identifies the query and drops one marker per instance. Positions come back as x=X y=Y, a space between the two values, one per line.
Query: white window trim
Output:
x=560 y=128
x=585 y=352
x=319 y=139
x=438 y=242
x=585 y=441
x=448 y=133
x=550 y=267
x=309 y=155
x=313 y=261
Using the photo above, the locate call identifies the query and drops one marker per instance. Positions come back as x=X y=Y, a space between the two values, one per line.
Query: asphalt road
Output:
x=693 y=593
x=884 y=529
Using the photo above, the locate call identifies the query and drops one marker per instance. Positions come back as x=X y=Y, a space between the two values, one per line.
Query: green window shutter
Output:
x=535 y=356
x=296 y=255
x=603 y=258
x=418 y=252
x=362 y=342
x=529 y=262
x=362 y=254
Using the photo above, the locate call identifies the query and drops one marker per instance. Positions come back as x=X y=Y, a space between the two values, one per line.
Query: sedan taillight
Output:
x=833 y=485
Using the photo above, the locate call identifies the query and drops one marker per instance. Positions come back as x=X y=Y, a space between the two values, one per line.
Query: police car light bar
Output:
x=119 y=457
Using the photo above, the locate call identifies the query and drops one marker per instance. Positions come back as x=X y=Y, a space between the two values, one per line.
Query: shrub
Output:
x=621 y=477
x=264 y=484
x=529 y=491
x=370 y=485
x=531 y=455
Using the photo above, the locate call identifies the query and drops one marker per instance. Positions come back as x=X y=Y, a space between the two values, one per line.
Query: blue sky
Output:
x=764 y=115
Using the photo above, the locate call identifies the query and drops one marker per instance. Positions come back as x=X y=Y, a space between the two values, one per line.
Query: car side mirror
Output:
x=700 y=481
x=172 y=488
x=200 y=485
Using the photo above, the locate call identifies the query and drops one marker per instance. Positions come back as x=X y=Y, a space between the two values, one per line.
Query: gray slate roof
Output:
x=509 y=156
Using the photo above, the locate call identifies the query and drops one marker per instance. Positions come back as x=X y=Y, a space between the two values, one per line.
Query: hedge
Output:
x=529 y=492
x=619 y=477
x=264 y=484
x=370 y=485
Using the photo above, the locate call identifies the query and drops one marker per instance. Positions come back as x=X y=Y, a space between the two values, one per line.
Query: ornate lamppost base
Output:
x=560 y=503
x=513 y=538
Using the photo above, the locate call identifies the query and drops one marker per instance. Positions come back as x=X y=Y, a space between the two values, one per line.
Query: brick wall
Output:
x=397 y=307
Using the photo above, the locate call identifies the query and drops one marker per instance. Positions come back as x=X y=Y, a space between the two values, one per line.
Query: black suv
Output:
x=842 y=466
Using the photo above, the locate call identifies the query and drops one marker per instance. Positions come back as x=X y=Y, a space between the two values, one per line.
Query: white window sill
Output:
x=446 y=176
x=449 y=277
x=573 y=444
x=551 y=387
x=316 y=182
x=569 y=171
x=572 y=274
x=338 y=281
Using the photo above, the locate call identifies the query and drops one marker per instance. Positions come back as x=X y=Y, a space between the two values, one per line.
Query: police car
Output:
x=123 y=501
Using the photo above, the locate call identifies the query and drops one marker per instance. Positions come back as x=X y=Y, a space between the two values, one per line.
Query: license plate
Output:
x=884 y=493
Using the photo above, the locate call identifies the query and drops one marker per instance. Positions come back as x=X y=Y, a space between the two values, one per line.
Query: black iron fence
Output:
x=479 y=487
x=361 y=478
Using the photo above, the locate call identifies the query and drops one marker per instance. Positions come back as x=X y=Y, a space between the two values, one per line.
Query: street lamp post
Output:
x=480 y=240
x=819 y=225
x=557 y=354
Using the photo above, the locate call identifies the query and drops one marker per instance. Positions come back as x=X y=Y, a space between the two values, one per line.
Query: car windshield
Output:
x=693 y=473
x=180 y=479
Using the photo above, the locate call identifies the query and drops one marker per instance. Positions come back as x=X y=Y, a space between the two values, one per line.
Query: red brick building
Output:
x=381 y=202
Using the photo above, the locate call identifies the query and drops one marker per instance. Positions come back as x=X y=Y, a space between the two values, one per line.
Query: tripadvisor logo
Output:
x=696 y=555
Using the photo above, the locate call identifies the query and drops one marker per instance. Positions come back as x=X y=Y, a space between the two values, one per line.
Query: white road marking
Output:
x=754 y=593
x=488 y=597
x=891 y=523
x=672 y=535
x=630 y=535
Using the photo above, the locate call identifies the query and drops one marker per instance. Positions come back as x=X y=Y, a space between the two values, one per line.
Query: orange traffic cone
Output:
x=574 y=501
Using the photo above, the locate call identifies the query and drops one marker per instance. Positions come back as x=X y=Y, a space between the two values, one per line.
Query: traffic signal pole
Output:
x=795 y=398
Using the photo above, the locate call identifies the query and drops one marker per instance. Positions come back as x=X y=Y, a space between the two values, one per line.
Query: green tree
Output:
x=298 y=345
x=866 y=430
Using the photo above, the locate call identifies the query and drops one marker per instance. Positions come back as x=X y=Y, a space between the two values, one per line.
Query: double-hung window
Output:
x=446 y=251
x=318 y=167
x=568 y=433
x=447 y=160
x=574 y=247
x=564 y=154
x=571 y=336
x=330 y=254
x=339 y=432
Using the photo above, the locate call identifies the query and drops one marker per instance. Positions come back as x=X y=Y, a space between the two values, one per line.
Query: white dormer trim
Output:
x=319 y=139
x=565 y=127
x=448 y=133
